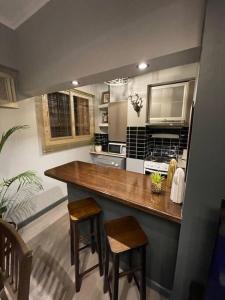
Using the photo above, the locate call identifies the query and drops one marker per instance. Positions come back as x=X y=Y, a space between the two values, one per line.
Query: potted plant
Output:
x=98 y=146
x=157 y=182
x=15 y=191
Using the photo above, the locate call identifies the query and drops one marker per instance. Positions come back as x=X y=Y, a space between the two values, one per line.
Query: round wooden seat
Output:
x=125 y=234
x=83 y=209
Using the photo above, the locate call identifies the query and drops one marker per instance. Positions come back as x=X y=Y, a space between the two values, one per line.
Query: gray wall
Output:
x=8 y=54
x=206 y=176
x=74 y=39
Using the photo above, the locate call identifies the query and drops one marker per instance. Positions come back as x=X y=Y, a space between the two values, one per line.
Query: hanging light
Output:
x=117 y=81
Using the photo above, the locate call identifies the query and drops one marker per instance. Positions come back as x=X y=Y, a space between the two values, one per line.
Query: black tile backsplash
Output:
x=136 y=142
x=102 y=138
x=140 y=142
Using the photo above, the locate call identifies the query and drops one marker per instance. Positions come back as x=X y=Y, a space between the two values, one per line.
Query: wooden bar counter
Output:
x=121 y=193
x=131 y=189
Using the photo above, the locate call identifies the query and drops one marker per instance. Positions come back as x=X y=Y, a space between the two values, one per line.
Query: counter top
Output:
x=131 y=189
x=108 y=154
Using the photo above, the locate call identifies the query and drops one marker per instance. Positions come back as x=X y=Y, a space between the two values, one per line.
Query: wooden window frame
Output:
x=50 y=144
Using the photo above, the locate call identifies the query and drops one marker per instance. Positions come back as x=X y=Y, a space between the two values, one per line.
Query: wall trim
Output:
x=163 y=291
x=41 y=212
x=159 y=288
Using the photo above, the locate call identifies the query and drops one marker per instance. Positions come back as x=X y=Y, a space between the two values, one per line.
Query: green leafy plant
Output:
x=8 y=133
x=157 y=178
x=18 y=189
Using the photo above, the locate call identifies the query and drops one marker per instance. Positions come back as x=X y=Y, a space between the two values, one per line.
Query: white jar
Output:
x=98 y=148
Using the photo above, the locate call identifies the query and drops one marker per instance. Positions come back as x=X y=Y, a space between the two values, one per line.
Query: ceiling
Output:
x=15 y=12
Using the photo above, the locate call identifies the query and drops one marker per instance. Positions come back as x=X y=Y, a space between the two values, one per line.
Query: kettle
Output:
x=178 y=185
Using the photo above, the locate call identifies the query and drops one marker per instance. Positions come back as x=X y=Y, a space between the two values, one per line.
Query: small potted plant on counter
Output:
x=98 y=146
x=157 y=182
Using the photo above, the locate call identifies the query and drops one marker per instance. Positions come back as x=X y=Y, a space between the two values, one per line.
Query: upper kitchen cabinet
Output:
x=118 y=121
x=170 y=103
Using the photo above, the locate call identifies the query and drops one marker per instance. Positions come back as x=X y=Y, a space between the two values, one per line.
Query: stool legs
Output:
x=95 y=243
x=99 y=246
x=92 y=235
x=130 y=276
x=115 y=286
x=114 y=292
x=76 y=257
x=106 y=271
x=143 y=274
x=71 y=243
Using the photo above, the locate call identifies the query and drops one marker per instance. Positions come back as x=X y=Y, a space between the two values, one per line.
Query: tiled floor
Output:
x=52 y=276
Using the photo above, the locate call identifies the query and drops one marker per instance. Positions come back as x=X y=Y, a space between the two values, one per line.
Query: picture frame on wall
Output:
x=105 y=97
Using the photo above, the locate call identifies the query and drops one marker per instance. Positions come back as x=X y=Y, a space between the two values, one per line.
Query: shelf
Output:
x=103 y=125
x=103 y=106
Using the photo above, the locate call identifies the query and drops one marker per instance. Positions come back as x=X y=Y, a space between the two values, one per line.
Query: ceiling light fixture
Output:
x=75 y=82
x=143 y=66
x=117 y=81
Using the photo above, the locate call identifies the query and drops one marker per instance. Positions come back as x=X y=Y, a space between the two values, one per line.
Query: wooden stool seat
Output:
x=80 y=211
x=125 y=234
x=83 y=209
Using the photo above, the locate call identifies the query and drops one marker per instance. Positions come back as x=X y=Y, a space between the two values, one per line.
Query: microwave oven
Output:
x=117 y=148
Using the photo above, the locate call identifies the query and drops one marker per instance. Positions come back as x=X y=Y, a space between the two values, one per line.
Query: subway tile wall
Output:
x=140 y=142
x=102 y=138
x=136 y=142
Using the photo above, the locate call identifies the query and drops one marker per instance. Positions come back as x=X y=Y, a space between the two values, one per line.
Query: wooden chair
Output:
x=85 y=210
x=15 y=263
x=124 y=236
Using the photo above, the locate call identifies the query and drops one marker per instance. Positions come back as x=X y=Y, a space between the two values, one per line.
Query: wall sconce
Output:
x=137 y=103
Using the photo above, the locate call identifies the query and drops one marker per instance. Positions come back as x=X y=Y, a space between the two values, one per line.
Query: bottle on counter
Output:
x=171 y=171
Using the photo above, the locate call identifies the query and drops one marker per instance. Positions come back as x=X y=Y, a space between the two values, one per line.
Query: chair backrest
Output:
x=15 y=263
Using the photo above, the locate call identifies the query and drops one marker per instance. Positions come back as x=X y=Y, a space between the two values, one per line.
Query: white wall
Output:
x=140 y=83
x=96 y=90
x=23 y=152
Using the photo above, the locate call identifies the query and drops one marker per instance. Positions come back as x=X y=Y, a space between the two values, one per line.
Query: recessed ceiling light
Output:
x=75 y=82
x=143 y=66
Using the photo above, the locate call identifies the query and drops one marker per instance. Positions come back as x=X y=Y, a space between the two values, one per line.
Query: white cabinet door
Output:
x=168 y=102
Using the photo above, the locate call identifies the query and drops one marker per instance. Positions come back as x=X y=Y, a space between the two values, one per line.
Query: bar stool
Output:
x=81 y=211
x=124 y=235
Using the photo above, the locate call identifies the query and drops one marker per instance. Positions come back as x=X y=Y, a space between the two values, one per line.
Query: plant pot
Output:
x=98 y=148
x=157 y=188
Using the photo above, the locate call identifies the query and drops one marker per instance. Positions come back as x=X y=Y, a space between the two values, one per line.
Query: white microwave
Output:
x=117 y=148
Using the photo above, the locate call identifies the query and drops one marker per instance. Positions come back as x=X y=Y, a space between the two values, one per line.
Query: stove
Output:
x=159 y=160
x=152 y=166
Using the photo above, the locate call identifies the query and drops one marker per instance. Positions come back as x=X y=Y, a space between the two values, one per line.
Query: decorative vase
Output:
x=157 y=188
x=98 y=148
x=171 y=171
